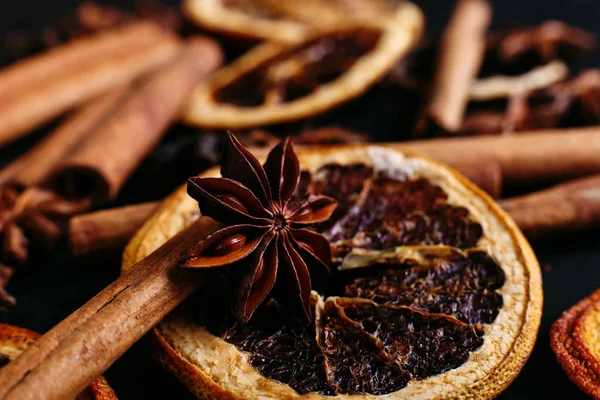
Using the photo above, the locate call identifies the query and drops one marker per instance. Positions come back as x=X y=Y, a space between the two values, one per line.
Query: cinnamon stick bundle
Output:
x=39 y=89
x=462 y=49
x=86 y=343
x=564 y=208
x=108 y=140
x=33 y=167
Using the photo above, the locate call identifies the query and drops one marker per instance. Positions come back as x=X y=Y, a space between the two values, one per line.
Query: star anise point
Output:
x=264 y=229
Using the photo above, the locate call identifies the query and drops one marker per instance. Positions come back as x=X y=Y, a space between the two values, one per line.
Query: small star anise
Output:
x=264 y=229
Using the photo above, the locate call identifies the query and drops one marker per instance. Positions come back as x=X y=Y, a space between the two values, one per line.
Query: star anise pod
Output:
x=265 y=227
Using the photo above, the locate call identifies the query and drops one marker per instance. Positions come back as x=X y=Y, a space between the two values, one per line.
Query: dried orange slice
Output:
x=275 y=83
x=575 y=340
x=15 y=340
x=279 y=20
x=436 y=294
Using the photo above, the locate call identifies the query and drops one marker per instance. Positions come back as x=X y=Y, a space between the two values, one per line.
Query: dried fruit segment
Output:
x=342 y=182
x=282 y=347
x=393 y=213
x=423 y=344
x=354 y=362
x=465 y=286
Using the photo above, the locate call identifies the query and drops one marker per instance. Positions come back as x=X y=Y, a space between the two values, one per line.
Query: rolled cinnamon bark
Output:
x=33 y=167
x=78 y=54
x=487 y=176
x=86 y=343
x=107 y=231
x=526 y=158
x=28 y=108
x=100 y=165
x=568 y=207
x=461 y=53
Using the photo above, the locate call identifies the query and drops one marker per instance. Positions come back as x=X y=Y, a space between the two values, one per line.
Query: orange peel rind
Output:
x=277 y=83
x=574 y=340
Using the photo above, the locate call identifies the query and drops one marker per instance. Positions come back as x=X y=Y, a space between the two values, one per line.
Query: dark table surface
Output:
x=57 y=284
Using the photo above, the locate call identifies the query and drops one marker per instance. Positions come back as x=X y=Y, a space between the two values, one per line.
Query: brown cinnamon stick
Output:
x=107 y=231
x=33 y=167
x=84 y=345
x=461 y=53
x=102 y=163
x=63 y=60
x=527 y=158
x=487 y=176
x=565 y=208
x=23 y=110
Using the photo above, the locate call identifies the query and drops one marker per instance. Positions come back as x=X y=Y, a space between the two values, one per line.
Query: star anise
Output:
x=265 y=232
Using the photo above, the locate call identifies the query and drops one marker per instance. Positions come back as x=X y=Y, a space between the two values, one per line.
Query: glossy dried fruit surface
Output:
x=423 y=344
x=376 y=211
x=404 y=319
x=354 y=362
x=464 y=287
x=282 y=347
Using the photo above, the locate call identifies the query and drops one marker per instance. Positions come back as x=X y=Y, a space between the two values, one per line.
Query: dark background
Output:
x=56 y=285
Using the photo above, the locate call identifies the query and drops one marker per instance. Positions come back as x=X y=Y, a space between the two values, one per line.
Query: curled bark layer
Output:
x=460 y=56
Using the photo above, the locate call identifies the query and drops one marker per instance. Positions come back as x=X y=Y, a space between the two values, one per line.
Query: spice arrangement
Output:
x=322 y=258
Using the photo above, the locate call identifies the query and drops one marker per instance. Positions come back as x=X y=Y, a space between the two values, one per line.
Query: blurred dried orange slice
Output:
x=279 y=20
x=575 y=340
x=275 y=83
x=15 y=340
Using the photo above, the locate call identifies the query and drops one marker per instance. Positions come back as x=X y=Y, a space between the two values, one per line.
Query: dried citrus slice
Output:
x=436 y=293
x=574 y=340
x=15 y=340
x=279 y=20
x=275 y=83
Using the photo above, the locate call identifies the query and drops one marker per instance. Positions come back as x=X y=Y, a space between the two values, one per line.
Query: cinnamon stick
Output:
x=78 y=54
x=23 y=110
x=33 y=167
x=526 y=158
x=85 y=344
x=564 y=208
x=487 y=176
x=462 y=49
x=107 y=231
x=101 y=164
